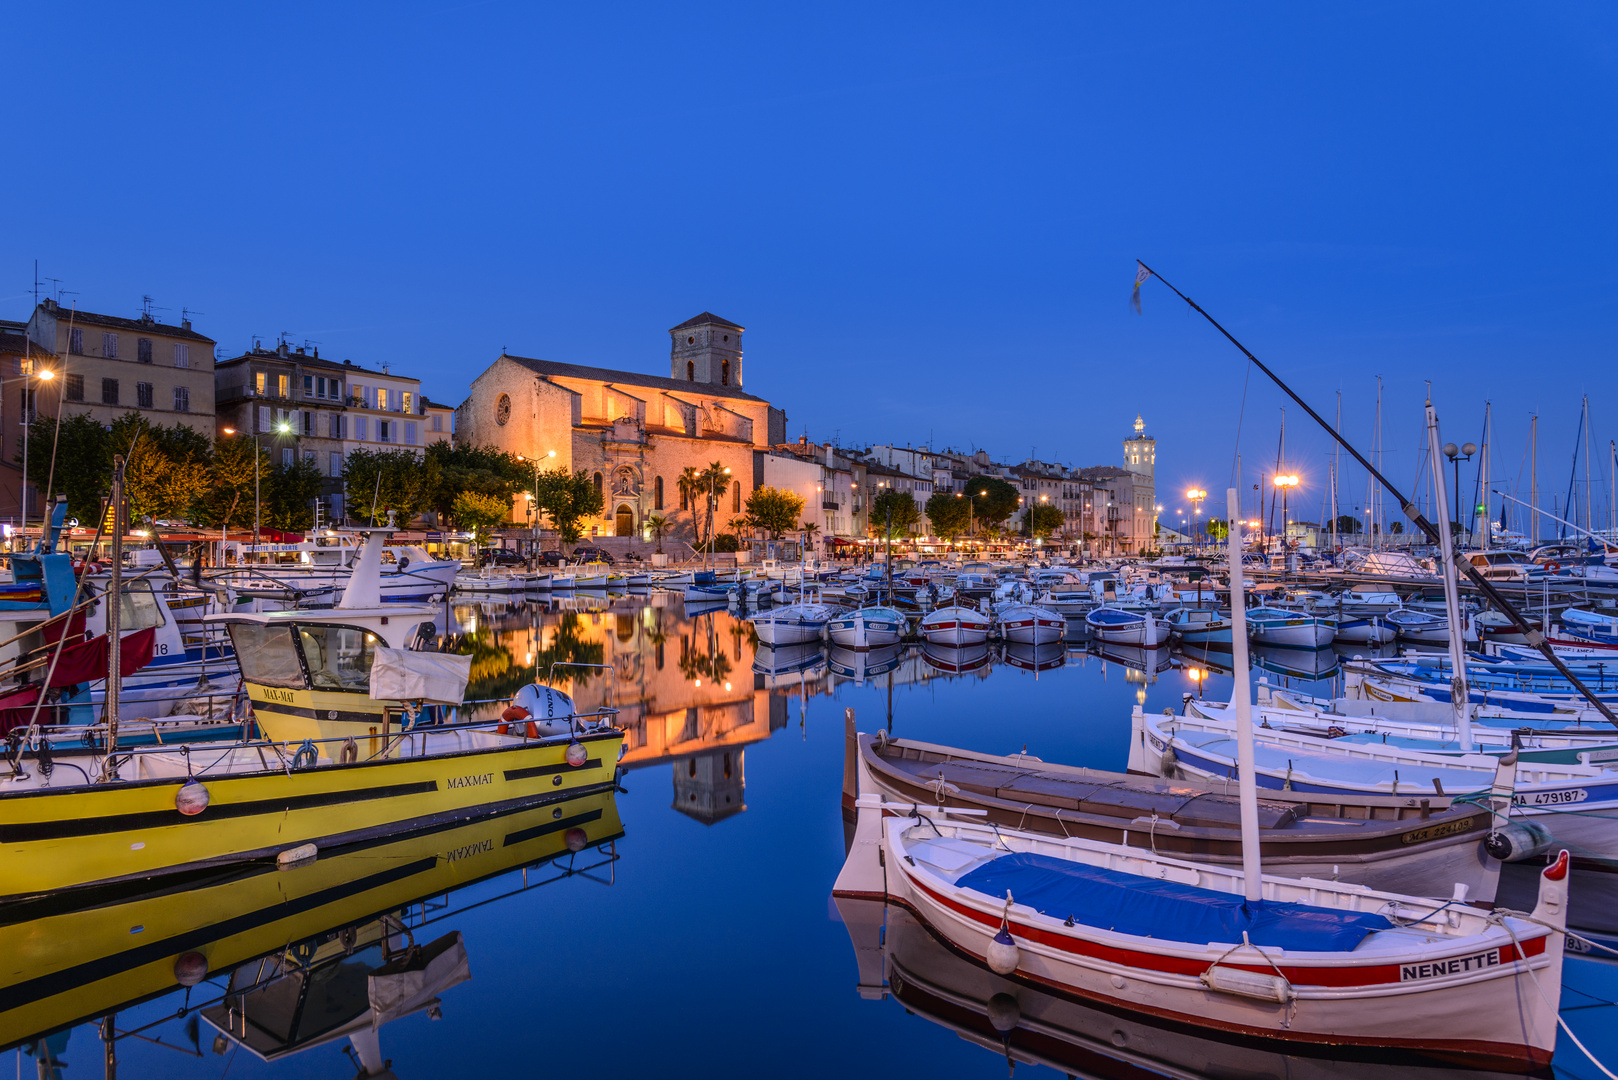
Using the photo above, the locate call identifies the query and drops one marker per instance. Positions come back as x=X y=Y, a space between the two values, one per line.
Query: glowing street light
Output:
x=1196 y=495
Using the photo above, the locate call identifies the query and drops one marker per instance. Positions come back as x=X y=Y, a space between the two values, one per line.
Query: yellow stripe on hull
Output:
x=59 y=838
x=67 y=967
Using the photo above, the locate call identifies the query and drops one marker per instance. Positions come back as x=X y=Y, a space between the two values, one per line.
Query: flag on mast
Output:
x=1141 y=274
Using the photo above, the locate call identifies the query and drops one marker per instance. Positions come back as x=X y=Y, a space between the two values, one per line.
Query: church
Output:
x=633 y=434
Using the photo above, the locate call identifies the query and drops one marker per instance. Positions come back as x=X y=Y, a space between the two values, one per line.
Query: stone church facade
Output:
x=633 y=434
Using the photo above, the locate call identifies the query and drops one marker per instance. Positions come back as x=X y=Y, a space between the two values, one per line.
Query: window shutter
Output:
x=264 y=418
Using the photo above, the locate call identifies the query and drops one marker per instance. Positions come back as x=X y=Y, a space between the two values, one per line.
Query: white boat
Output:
x=1280 y=626
x=1026 y=624
x=324 y=564
x=867 y=628
x=792 y=624
x=1312 y=961
x=1199 y=626
x=1127 y=626
x=490 y=581
x=955 y=625
x=1419 y=627
x=1363 y=630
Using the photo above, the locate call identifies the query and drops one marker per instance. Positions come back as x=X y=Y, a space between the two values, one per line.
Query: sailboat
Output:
x=1301 y=961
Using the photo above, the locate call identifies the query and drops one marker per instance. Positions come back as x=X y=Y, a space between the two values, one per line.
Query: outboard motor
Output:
x=546 y=710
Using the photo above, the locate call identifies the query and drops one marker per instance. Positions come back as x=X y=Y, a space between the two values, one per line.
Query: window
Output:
x=438 y=422
x=342 y=427
x=109 y=346
x=138 y=609
x=109 y=391
x=309 y=459
x=338 y=657
x=336 y=463
x=308 y=386
x=143 y=395
x=182 y=398
x=736 y=497
x=410 y=433
x=360 y=425
x=74 y=388
x=143 y=350
x=382 y=398
x=283 y=385
x=75 y=341
x=404 y=401
x=382 y=431
x=657 y=494
x=724 y=373
x=336 y=429
x=286 y=457
x=266 y=654
x=690 y=371
x=685 y=502
x=597 y=481
x=182 y=356
x=258 y=383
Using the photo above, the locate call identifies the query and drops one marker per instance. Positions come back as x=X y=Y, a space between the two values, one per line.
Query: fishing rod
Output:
x=1462 y=565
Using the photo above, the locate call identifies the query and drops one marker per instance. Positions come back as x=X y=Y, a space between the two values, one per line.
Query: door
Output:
x=624 y=524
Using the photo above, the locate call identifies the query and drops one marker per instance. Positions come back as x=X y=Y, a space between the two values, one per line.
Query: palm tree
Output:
x=808 y=529
x=713 y=482
x=657 y=523
x=690 y=483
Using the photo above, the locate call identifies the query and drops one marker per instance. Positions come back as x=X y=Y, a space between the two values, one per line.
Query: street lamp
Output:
x=1285 y=483
x=713 y=480
x=533 y=509
x=1457 y=455
x=1196 y=495
x=281 y=428
x=43 y=375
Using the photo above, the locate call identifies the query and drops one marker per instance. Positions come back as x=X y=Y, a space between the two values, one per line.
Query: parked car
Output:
x=592 y=554
x=500 y=557
x=550 y=558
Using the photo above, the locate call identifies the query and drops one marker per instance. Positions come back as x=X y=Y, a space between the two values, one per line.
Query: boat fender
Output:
x=192 y=798
x=190 y=968
x=350 y=752
x=296 y=856
x=1519 y=840
x=1004 y=956
x=576 y=839
x=306 y=757
x=1004 y=1015
x=1168 y=763
x=1252 y=984
x=576 y=754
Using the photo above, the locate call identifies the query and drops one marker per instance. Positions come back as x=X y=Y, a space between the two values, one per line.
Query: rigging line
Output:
x=1236 y=455
x=1462 y=565
x=56 y=436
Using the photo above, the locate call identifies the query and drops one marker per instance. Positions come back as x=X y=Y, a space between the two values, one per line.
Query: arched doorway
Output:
x=624 y=523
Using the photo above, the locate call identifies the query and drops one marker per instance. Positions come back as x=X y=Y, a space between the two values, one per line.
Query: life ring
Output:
x=1551 y=568
x=516 y=714
x=92 y=567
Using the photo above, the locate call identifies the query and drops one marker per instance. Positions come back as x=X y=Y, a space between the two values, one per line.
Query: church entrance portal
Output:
x=624 y=525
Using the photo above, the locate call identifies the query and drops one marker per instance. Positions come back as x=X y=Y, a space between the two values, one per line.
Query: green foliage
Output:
x=476 y=513
x=905 y=513
x=228 y=503
x=725 y=542
x=993 y=499
x=568 y=498
x=712 y=482
x=290 y=495
x=950 y=514
x=1218 y=529
x=484 y=470
x=774 y=510
x=167 y=470
x=1348 y=523
x=1044 y=520
x=1396 y=526
x=376 y=481
x=83 y=463
x=658 y=523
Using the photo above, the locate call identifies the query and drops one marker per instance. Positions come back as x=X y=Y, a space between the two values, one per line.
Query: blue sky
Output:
x=926 y=216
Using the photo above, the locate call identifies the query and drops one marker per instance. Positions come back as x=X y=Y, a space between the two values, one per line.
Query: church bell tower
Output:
x=706 y=349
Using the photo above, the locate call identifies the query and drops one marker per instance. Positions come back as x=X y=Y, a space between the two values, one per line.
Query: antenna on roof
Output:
x=186 y=313
x=385 y=364
x=146 y=306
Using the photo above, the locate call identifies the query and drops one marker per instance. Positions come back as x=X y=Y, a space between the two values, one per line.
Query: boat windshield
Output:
x=267 y=655
x=337 y=657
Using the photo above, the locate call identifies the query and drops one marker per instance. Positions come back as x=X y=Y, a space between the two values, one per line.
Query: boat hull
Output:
x=867 y=628
x=955 y=626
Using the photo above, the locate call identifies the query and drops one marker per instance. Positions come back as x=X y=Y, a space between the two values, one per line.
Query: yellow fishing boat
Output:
x=73 y=959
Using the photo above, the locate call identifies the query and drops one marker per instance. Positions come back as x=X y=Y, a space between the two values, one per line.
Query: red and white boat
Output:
x=1313 y=961
x=1026 y=624
x=955 y=624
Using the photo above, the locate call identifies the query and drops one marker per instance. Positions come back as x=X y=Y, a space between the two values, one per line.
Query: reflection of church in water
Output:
x=684 y=689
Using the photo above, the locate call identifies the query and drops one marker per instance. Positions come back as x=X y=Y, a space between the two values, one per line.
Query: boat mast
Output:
x=1587 y=522
x=113 y=598
x=1533 y=479
x=1336 y=460
x=1374 y=498
x=1460 y=696
x=1242 y=699
x=1480 y=498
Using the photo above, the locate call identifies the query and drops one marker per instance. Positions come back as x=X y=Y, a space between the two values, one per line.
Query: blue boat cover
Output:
x=1128 y=904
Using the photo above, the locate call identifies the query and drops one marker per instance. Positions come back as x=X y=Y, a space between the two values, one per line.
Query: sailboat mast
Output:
x=1587 y=463
x=1379 y=526
x=1242 y=699
x=1460 y=696
x=1336 y=460
x=1533 y=480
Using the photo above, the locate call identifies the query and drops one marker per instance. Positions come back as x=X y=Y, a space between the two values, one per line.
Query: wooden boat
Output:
x=1199 y=626
x=1294 y=629
x=1310 y=962
x=872 y=627
x=1127 y=626
x=1026 y=624
x=1393 y=844
x=955 y=625
x=793 y=624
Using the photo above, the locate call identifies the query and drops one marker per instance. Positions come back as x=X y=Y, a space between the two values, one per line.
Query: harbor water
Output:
x=683 y=927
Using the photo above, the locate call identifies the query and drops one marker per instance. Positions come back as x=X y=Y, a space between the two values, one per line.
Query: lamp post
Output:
x=43 y=375
x=1285 y=482
x=1457 y=455
x=533 y=500
x=281 y=428
x=1196 y=495
x=713 y=480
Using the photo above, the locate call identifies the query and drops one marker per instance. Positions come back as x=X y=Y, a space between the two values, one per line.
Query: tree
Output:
x=167 y=469
x=292 y=490
x=1348 y=523
x=376 y=481
x=689 y=483
x=1396 y=526
x=775 y=510
x=657 y=523
x=229 y=500
x=476 y=513
x=950 y=514
x=993 y=499
x=1217 y=528
x=713 y=482
x=739 y=525
x=808 y=528
x=568 y=498
x=904 y=510
x=484 y=470
x=1044 y=520
x=82 y=458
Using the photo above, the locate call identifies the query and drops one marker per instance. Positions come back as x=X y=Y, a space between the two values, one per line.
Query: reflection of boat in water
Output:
x=1298 y=663
x=898 y=957
x=1035 y=657
x=72 y=957
x=788 y=659
x=862 y=664
x=955 y=659
x=1134 y=657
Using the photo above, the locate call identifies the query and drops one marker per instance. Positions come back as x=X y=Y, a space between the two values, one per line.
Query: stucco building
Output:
x=632 y=433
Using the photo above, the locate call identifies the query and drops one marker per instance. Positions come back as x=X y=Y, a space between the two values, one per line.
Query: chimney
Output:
x=49 y=304
x=281 y=349
x=185 y=324
x=300 y=350
x=317 y=352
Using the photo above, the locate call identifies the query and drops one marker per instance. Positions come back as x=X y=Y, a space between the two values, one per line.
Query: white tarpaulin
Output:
x=402 y=675
x=399 y=989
